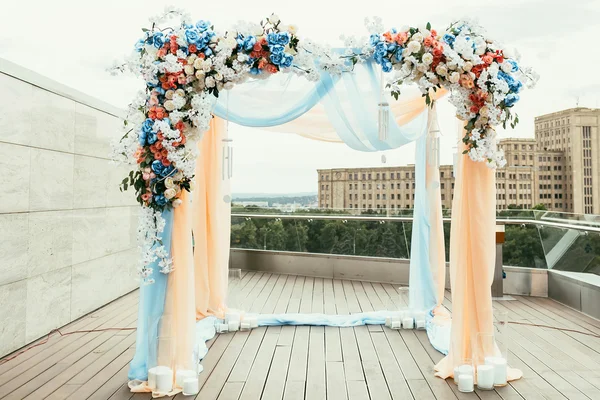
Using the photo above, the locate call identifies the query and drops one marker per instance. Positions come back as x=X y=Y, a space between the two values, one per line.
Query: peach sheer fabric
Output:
x=211 y=223
x=472 y=259
x=315 y=124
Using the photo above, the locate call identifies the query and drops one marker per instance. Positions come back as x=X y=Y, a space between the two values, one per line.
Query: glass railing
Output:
x=533 y=239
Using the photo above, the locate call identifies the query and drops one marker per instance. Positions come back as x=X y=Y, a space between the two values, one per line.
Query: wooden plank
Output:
x=351 y=300
x=297 y=369
x=258 y=374
x=357 y=390
x=315 y=378
x=250 y=298
x=318 y=297
x=271 y=303
x=112 y=385
x=275 y=386
x=286 y=295
x=122 y=393
x=307 y=292
x=214 y=355
x=294 y=390
x=336 y=381
x=351 y=357
x=341 y=305
x=87 y=322
x=370 y=363
x=329 y=305
x=28 y=380
x=407 y=364
x=231 y=391
x=396 y=381
x=361 y=296
x=248 y=354
x=296 y=296
x=286 y=336
x=218 y=376
x=266 y=291
x=333 y=346
x=374 y=299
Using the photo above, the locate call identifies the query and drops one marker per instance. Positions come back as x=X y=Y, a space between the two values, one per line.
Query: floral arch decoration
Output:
x=187 y=67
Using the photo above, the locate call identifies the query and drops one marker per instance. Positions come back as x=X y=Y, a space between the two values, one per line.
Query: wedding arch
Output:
x=195 y=78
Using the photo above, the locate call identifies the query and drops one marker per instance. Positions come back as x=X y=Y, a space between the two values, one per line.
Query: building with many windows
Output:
x=557 y=169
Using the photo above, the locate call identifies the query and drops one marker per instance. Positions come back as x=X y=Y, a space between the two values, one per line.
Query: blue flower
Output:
x=254 y=71
x=208 y=52
x=158 y=40
x=276 y=58
x=203 y=26
x=139 y=46
x=449 y=39
x=511 y=99
x=514 y=85
x=246 y=43
x=272 y=38
x=276 y=49
x=158 y=168
x=515 y=66
x=160 y=200
x=160 y=90
x=398 y=54
x=192 y=36
x=386 y=66
x=142 y=138
x=283 y=38
x=375 y=38
x=381 y=49
x=147 y=125
x=287 y=61
x=151 y=138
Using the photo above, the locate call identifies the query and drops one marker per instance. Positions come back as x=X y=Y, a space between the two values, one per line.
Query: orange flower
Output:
x=262 y=63
x=192 y=48
x=165 y=162
x=428 y=41
x=162 y=52
x=271 y=68
x=401 y=37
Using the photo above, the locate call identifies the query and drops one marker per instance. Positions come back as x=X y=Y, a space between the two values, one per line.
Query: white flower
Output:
x=483 y=111
x=169 y=182
x=418 y=37
x=169 y=94
x=177 y=203
x=454 y=77
x=169 y=105
x=427 y=58
x=228 y=85
x=441 y=70
x=293 y=29
x=274 y=19
x=413 y=47
x=189 y=69
x=192 y=186
x=468 y=66
x=198 y=63
x=200 y=75
x=178 y=176
x=210 y=82
x=506 y=67
x=170 y=193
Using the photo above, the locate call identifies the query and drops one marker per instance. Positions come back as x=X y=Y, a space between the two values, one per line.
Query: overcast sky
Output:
x=73 y=41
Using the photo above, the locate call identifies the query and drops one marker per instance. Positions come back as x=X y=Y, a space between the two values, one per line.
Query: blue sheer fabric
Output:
x=151 y=307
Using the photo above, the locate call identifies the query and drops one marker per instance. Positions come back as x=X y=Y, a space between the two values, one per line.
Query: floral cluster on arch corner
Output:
x=483 y=77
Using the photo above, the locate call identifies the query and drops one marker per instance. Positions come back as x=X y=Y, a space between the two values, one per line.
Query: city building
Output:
x=557 y=169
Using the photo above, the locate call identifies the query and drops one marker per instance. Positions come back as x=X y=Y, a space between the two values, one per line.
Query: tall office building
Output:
x=557 y=169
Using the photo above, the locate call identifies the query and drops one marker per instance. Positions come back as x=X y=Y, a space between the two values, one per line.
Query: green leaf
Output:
x=428 y=26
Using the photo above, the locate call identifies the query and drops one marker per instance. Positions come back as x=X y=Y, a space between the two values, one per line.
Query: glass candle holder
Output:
x=466 y=376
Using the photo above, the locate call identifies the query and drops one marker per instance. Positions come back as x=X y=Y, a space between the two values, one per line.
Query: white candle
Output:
x=164 y=379
x=191 y=387
x=388 y=321
x=500 y=369
x=245 y=326
x=182 y=375
x=234 y=326
x=152 y=378
x=232 y=316
x=222 y=328
x=408 y=323
x=420 y=324
x=456 y=375
x=465 y=369
x=465 y=383
x=253 y=321
x=485 y=377
x=396 y=324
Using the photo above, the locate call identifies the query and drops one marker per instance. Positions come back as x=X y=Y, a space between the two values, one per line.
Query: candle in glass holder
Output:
x=245 y=326
x=221 y=328
x=388 y=321
x=485 y=377
x=191 y=386
x=152 y=378
x=164 y=379
x=408 y=323
x=396 y=324
x=465 y=383
x=456 y=374
x=233 y=325
x=500 y=370
x=232 y=316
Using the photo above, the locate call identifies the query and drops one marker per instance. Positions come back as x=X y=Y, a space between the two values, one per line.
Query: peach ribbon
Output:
x=472 y=259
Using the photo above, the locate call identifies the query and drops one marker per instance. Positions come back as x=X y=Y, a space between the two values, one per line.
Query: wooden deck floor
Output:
x=312 y=363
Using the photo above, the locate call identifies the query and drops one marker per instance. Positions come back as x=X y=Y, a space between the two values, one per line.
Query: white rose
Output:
x=274 y=19
x=177 y=203
x=418 y=37
x=206 y=67
x=170 y=193
x=200 y=75
x=293 y=29
x=468 y=66
x=178 y=176
x=169 y=94
x=192 y=186
x=169 y=182
x=422 y=67
x=219 y=86
x=454 y=77
x=413 y=47
x=189 y=69
x=169 y=105
x=219 y=76
x=180 y=92
x=427 y=58
x=506 y=67
x=192 y=59
x=483 y=111
x=441 y=70
x=198 y=63
x=210 y=82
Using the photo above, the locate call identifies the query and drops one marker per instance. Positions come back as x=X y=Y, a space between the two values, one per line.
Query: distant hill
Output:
x=270 y=198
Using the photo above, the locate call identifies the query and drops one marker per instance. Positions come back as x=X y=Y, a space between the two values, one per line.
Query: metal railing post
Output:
x=498 y=283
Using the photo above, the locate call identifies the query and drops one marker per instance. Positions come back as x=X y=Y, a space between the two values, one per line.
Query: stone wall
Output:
x=67 y=234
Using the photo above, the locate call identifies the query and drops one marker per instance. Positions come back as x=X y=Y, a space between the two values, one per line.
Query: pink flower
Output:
x=146 y=196
x=487 y=59
x=428 y=41
x=146 y=176
x=153 y=100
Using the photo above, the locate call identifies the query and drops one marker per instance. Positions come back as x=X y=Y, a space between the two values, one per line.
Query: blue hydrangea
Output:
x=449 y=39
x=511 y=99
x=158 y=40
x=203 y=26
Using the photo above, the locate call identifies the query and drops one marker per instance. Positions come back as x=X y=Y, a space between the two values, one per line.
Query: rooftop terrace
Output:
x=365 y=362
